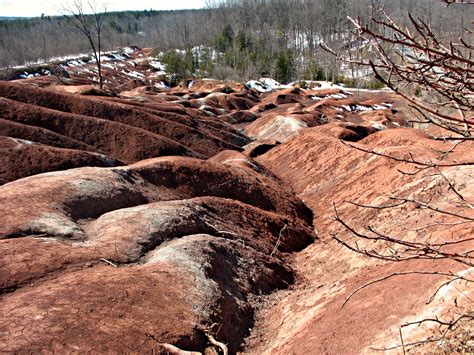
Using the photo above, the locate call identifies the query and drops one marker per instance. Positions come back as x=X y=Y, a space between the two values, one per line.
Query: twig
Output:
x=431 y=273
x=108 y=262
x=278 y=241
x=220 y=345
x=410 y=161
x=219 y=231
x=401 y=339
x=436 y=209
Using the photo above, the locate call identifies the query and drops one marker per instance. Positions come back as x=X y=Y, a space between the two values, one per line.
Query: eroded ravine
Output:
x=162 y=218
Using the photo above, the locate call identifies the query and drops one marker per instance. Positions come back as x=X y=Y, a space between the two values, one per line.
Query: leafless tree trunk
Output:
x=90 y=25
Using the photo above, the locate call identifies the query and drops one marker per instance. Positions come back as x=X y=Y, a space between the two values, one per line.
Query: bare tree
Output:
x=90 y=25
x=405 y=59
x=409 y=60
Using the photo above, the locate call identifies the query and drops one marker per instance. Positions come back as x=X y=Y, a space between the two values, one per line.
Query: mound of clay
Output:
x=283 y=114
x=117 y=113
x=126 y=130
x=131 y=258
x=20 y=158
x=326 y=172
x=163 y=220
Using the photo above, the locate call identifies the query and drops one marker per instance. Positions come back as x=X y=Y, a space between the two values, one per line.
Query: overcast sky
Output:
x=31 y=8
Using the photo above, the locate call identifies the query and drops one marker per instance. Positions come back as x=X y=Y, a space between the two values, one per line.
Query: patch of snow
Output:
x=254 y=84
x=270 y=83
x=75 y=63
x=337 y=96
x=362 y=108
x=377 y=126
x=161 y=85
x=134 y=74
x=358 y=108
x=128 y=50
x=157 y=65
x=265 y=85
x=282 y=128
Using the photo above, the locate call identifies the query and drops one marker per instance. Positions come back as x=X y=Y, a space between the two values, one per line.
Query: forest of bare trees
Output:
x=257 y=37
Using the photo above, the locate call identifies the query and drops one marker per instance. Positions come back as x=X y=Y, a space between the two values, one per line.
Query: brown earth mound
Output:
x=112 y=112
x=326 y=172
x=126 y=130
x=211 y=237
x=20 y=158
x=283 y=114
x=107 y=255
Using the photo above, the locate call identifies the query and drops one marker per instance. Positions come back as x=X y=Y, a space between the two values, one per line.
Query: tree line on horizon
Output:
x=255 y=38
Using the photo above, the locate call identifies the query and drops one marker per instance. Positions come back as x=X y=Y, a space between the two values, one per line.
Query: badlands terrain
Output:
x=181 y=220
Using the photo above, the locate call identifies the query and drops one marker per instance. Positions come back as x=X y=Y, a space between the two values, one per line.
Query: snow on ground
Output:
x=265 y=85
x=255 y=84
x=161 y=85
x=42 y=72
x=78 y=60
x=331 y=96
x=134 y=74
x=358 y=108
x=128 y=50
x=157 y=65
x=282 y=128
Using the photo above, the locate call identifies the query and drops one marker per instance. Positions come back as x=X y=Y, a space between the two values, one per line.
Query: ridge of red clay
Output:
x=155 y=218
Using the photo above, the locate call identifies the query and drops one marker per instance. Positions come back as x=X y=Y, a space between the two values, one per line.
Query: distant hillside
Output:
x=256 y=38
x=10 y=18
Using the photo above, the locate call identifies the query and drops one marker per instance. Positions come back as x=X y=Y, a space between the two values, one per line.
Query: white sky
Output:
x=30 y=8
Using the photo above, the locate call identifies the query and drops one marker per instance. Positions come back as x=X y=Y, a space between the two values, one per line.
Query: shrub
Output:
x=284 y=66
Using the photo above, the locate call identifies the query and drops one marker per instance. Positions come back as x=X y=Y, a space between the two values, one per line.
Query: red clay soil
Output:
x=324 y=172
x=243 y=161
x=126 y=130
x=102 y=259
x=41 y=135
x=207 y=233
x=191 y=117
x=282 y=114
x=120 y=141
x=114 y=112
x=20 y=158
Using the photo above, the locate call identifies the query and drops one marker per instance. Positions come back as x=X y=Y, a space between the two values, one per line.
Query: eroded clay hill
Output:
x=154 y=221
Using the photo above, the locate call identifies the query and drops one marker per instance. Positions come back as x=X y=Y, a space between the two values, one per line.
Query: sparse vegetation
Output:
x=90 y=26
x=263 y=38
x=412 y=62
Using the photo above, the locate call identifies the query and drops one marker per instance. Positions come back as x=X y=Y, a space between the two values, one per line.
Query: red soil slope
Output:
x=63 y=231
x=122 y=129
x=154 y=220
x=326 y=172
